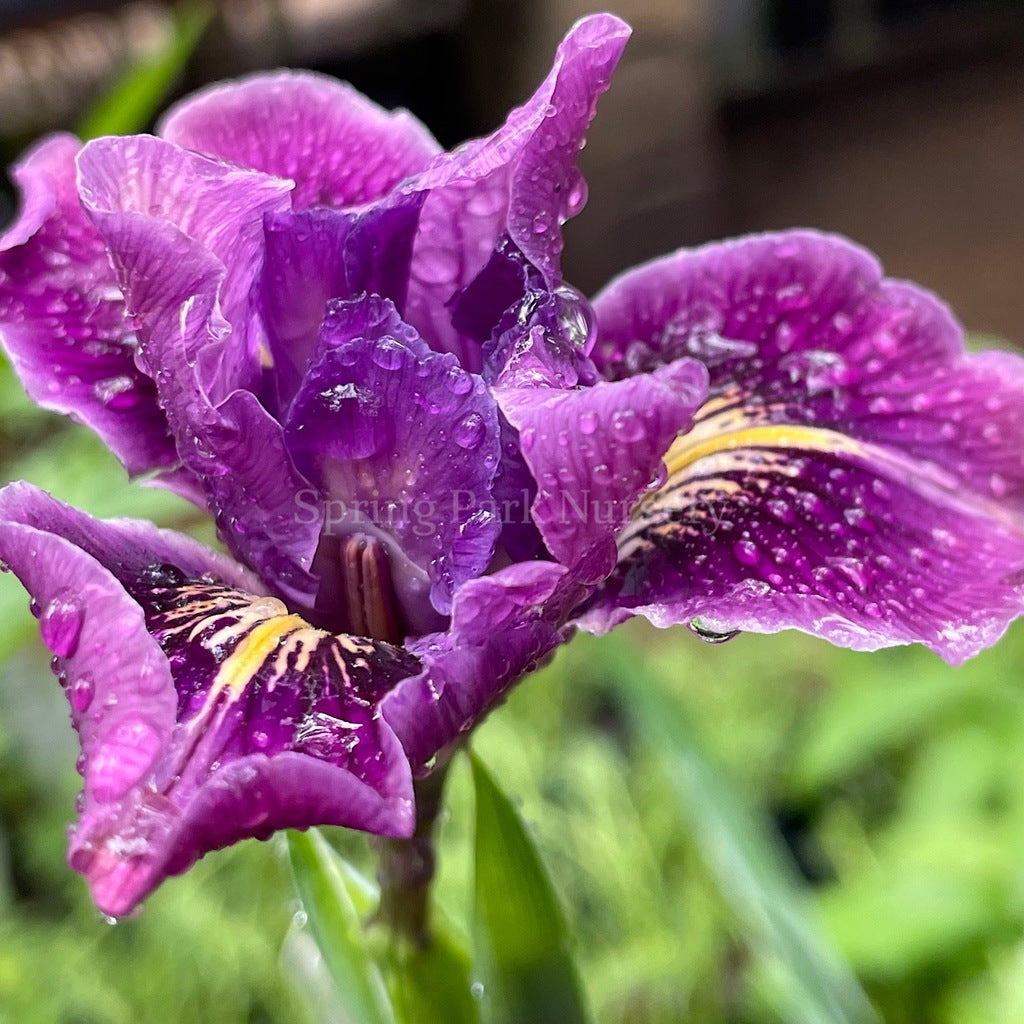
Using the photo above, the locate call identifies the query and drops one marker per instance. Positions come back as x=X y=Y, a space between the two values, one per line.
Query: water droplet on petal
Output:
x=459 y=381
x=700 y=627
x=588 y=421
x=627 y=426
x=60 y=624
x=389 y=354
x=469 y=431
x=576 y=318
x=117 y=392
x=81 y=693
x=746 y=551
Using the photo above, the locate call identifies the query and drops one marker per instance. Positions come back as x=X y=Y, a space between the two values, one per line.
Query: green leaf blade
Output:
x=522 y=950
x=338 y=929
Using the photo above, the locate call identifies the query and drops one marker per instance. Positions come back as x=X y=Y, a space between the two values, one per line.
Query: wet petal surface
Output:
x=854 y=473
x=338 y=147
x=62 y=315
x=404 y=442
x=206 y=713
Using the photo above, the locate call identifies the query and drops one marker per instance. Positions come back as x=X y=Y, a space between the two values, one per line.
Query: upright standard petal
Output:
x=521 y=180
x=175 y=285
x=403 y=441
x=62 y=315
x=338 y=147
x=217 y=207
x=318 y=255
x=854 y=473
x=206 y=712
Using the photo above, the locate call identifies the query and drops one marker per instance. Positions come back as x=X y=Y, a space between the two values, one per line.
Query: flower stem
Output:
x=406 y=866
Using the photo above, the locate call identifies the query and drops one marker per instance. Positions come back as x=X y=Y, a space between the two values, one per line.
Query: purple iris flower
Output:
x=431 y=459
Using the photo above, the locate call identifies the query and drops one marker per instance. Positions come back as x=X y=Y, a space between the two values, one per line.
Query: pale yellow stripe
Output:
x=701 y=443
x=251 y=653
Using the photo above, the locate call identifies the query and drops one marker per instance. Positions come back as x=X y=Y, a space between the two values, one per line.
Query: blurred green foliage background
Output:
x=890 y=783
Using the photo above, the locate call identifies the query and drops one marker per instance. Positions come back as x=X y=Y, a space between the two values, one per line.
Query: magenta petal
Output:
x=403 y=439
x=854 y=474
x=521 y=180
x=62 y=315
x=594 y=451
x=206 y=713
x=266 y=511
x=318 y=255
x=501 y=626
x=338 y=147
x=218 y=208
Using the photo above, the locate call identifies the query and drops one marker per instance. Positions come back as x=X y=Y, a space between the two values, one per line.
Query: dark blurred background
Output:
x=898 y=122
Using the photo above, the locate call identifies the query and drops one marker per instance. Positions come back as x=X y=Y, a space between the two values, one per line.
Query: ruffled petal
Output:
x=854 y=474
x=403 y=441
x=217 y=207
x=62 y=315
x=502 y=625
x=175 y=285
x=326 y=254
x=338 y=147
x=521 y=180
x=594 y=451
x=206 y=713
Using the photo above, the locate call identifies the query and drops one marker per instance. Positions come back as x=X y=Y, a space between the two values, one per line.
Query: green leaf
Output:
x=805 y=978
x=423 y=984
x=520 y=936
x=338 y=929
x=136 y=97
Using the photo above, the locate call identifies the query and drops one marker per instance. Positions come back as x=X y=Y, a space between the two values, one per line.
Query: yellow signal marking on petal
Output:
x=701 y=443
x=252 y=653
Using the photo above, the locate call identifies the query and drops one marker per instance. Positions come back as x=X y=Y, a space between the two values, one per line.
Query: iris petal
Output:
x=207 y=713
x=62 y=315
x=404 y=441
x=593 y=452
x=338 y=147
x=501 y=626
x=854 y=473
x=522 y=180
x=181 y=293
x=318 y=255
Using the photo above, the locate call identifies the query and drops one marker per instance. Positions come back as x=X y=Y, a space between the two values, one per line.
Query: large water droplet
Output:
x=389 y=354
x=469 y=431
x=627 y=426
x=81 y=693
x=60 y=624
x=117 y=392
x=699 y=627
x=576 y=320
x=459 y=381
x=588 y=421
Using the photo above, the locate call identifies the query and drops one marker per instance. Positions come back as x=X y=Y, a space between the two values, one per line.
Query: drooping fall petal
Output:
x=854 y=473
